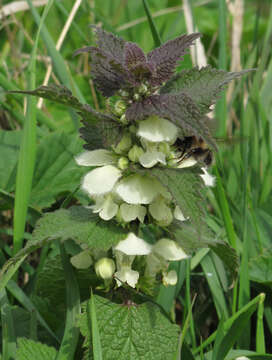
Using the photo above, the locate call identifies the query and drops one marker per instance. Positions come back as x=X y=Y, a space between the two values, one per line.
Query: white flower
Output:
x=105 y=206
x=179 y=215
x=138 y=189
x=95 y=158
x=129 y=212
x=126 y=275
x=169 y=250
x=169 y=278
x=105 y=268
x=133 y=245
x=82 y=260
x=160 y=211
x=156 y=129
x=151 y=158
x=242 y=358
x=208 y=179
x=101 y=180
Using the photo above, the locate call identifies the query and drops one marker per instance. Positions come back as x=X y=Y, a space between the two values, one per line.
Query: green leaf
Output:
x=231 y=332
x=29 y=349
x=71 y=332
x=56 y=171
x=62 y=95
x=131 y=331
x=187 y=236
x=260 y=269
x=185 y=185
x=202 y=85
x=19 y=294
x=81 y=225
x=97 y=349
x=7 y=327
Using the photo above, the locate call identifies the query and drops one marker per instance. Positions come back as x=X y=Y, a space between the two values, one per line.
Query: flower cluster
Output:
x=121 y=185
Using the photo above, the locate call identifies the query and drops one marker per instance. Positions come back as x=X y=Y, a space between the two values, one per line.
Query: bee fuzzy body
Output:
x=193 y=147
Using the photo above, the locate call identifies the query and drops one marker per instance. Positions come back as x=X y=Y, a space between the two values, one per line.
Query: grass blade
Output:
x=18 y=294
x=153 y=28
x=58 y=62
x=248 y=309
x=71 y=332
x=27 y=155
x=97 y=349
x=260 y=337
x=221 y=106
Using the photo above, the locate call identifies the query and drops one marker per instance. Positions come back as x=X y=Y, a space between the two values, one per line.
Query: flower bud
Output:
x=124 y=144
x=123 y=163
x=119 y=107
x=136 y=96
x=169 y=278
x=105 y=268
x=135 y=153
x=142 y=89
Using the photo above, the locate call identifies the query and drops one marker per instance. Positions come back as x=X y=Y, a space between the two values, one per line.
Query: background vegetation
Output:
x=240 y=205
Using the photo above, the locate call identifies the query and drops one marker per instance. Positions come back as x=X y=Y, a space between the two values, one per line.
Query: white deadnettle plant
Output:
x=134 y=196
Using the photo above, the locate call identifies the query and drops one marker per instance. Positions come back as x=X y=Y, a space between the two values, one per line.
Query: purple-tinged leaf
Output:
x=62 y=95
x=110 y=43
x=136 y=63
x=108 y=75
x=202 y=85
x=178 y=108
x=165 y=57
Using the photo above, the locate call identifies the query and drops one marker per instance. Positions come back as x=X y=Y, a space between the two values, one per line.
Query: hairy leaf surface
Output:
x=166 y=57
x=29 y=349
x=178 y=108
x=202 y=85
x=186 y=188
x=62 y=95
x=81 y=225
x=132 y=331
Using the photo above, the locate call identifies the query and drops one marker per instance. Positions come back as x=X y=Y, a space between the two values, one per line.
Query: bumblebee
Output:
x=195 y=148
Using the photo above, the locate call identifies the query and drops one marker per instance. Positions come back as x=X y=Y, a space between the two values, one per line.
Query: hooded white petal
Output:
x=101 y=180
x=133 y=245
x=208 y=179
x=99 y=201
x=156 y=129
x=178 y=214
x=137 y=189
x=151 y=158
x=127 y=275
x=98 y=157
x=169 y=278
x=131 y=212
x=109 y=209
x=169 y=250
x=160 y=211
x=187 y=163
